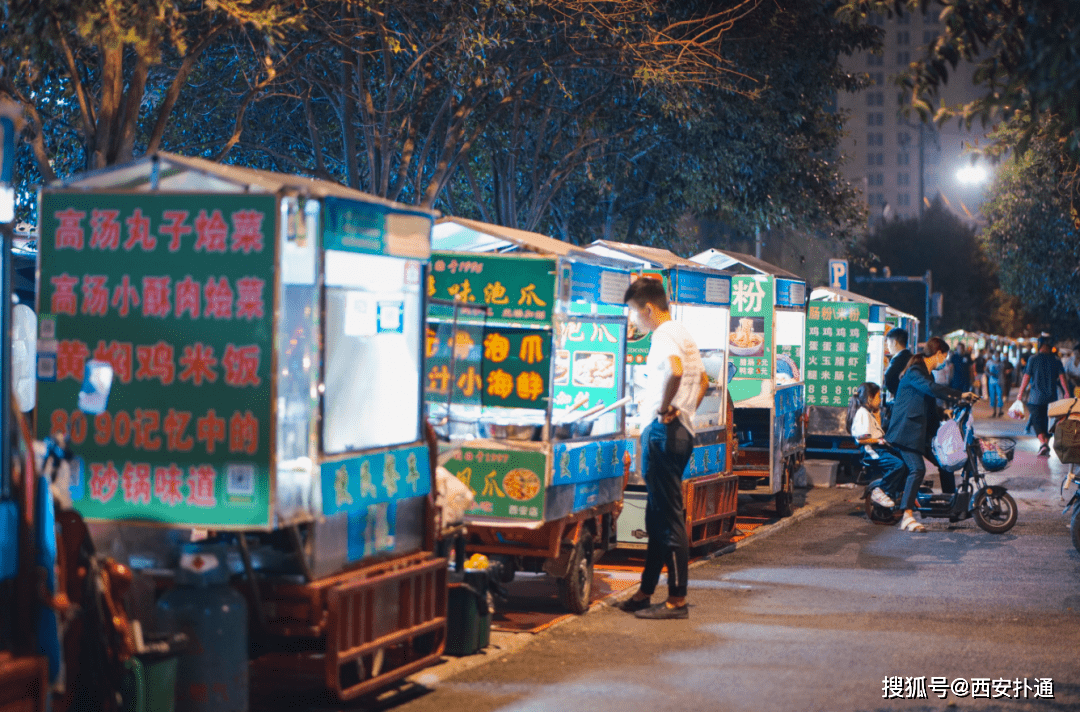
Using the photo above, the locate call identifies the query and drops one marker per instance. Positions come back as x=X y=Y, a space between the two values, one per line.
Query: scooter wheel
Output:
x=995 y=513
x=878 y=514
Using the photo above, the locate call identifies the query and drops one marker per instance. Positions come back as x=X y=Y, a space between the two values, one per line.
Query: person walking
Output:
x=675 y=386
x=1042 y=377
x=1072 y=371
x=960 y=378
x=979 y=367
x=994 y=373
x=914 y=411
x=896 y=341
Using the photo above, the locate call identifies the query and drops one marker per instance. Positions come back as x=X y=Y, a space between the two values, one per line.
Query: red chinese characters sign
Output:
x=176 y=293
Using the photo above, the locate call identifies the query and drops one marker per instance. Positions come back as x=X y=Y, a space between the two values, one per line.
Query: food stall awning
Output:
x=739 y=263
x=648 y=256
x=170 y=173
x=453 y=234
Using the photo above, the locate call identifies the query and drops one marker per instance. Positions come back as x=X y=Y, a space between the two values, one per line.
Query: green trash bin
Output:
x=468 y=613
x=150 y=679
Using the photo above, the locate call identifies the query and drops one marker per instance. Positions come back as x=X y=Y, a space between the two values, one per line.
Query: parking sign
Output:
x=838 y=274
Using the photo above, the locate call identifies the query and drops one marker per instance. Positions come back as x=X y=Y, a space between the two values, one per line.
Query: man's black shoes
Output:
x=632 y=605
x=662 y=611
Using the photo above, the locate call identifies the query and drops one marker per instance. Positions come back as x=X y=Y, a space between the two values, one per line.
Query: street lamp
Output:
x=974 y=174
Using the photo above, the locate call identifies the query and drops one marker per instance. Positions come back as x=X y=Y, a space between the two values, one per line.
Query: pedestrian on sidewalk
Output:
x=914 y=418
x=979 y=365
x=675 y=386
x=994 y=370
x=1072 y=371
x=1042 y=377
x=960 y=378
x=896 y=341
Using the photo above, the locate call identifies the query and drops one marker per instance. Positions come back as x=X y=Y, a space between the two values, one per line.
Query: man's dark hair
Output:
x=899 y=336
x=647 y=290
x=1046 y=342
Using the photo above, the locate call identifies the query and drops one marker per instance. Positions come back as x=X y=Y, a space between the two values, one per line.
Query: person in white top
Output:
x=883 y=465
x=675 y=386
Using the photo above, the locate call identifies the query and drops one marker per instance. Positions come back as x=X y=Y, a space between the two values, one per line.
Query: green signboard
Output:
x=836 y=344
x=506 y=483
x=493 y=365
x=176 y=292
x=750 y=341
x=519 y=289
x=587 y=363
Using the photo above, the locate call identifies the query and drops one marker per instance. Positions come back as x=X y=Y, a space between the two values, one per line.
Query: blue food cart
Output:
x=700 y=300
x=766 y=336
x=263 y=334
x=526 y=350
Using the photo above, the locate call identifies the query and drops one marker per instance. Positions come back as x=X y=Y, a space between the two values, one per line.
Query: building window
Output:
x=876 y=199
x=875 y=139
x=875 y=118
x=903 y=200
x=875 y=98
x=903 y=57
x=875 y=60
x=903 y=138
x=903 y=37
x=903 y=19
x=876 y=179
x=903 y=159
x=903 y=179
x=875 y=159
x=878 y=77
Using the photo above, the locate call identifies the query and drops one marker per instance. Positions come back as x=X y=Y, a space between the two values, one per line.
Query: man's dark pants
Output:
x=665 y=451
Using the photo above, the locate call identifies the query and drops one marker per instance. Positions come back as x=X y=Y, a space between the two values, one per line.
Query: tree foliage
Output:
x=1032 y=234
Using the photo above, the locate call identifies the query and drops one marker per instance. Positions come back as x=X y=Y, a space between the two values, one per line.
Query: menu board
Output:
x=518 y=289
x=588 y=366
x=506 y=483
x=836 y=345
x=175 y=292
x=750 y=337
x=492 y=365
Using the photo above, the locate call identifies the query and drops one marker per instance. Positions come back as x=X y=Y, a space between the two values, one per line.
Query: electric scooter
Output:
x=992 y=507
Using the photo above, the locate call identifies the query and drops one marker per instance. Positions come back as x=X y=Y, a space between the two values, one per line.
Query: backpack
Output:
x=1067 y=438
x=950 y=446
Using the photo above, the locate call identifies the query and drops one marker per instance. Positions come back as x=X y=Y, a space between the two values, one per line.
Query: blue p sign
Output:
x=838 y=274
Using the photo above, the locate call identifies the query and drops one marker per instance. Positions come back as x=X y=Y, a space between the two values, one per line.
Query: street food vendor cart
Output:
x=699 y=298
x=525 y=360
x=845 y=347
x=765 y=343
x=264 y=334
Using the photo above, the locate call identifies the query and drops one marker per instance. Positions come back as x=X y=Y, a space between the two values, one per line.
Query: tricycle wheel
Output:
x=995 y=513
x=575 y=589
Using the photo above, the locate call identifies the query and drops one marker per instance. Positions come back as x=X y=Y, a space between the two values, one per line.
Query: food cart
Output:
x=845 y=346
x=765 y=342
x=264 y=333
x=525 y=363
x=699 y=298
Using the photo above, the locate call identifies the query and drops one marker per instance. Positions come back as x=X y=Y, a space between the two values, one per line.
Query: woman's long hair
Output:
x=933 y=346
x=861 y=399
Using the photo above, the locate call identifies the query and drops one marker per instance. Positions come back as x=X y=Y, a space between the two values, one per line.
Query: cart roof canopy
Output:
x=453 y=234
x=832 y=294
x=738 y=263
x=648 y=256
x=172 y=173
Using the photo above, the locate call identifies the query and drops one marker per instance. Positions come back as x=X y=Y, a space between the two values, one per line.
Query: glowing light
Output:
x=972 y=175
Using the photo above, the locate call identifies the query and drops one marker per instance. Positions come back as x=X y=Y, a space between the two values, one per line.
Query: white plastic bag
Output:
x=1016 y=410
x=950 y=449
x=453 y=499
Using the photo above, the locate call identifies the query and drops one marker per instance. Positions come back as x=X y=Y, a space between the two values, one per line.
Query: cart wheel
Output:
x=575 y=590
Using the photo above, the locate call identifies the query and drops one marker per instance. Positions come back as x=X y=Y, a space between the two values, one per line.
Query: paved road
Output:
x=818 y=615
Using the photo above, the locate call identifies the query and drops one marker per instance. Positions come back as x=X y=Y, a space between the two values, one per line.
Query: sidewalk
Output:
x=809 y=502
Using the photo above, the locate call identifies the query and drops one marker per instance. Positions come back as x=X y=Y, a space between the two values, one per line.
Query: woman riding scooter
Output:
x=912 y=412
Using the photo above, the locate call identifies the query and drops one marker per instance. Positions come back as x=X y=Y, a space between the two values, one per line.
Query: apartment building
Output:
x=900 y=163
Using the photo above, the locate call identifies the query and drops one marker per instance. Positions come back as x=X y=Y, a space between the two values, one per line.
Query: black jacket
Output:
x=915 y=408
x=896 y=367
